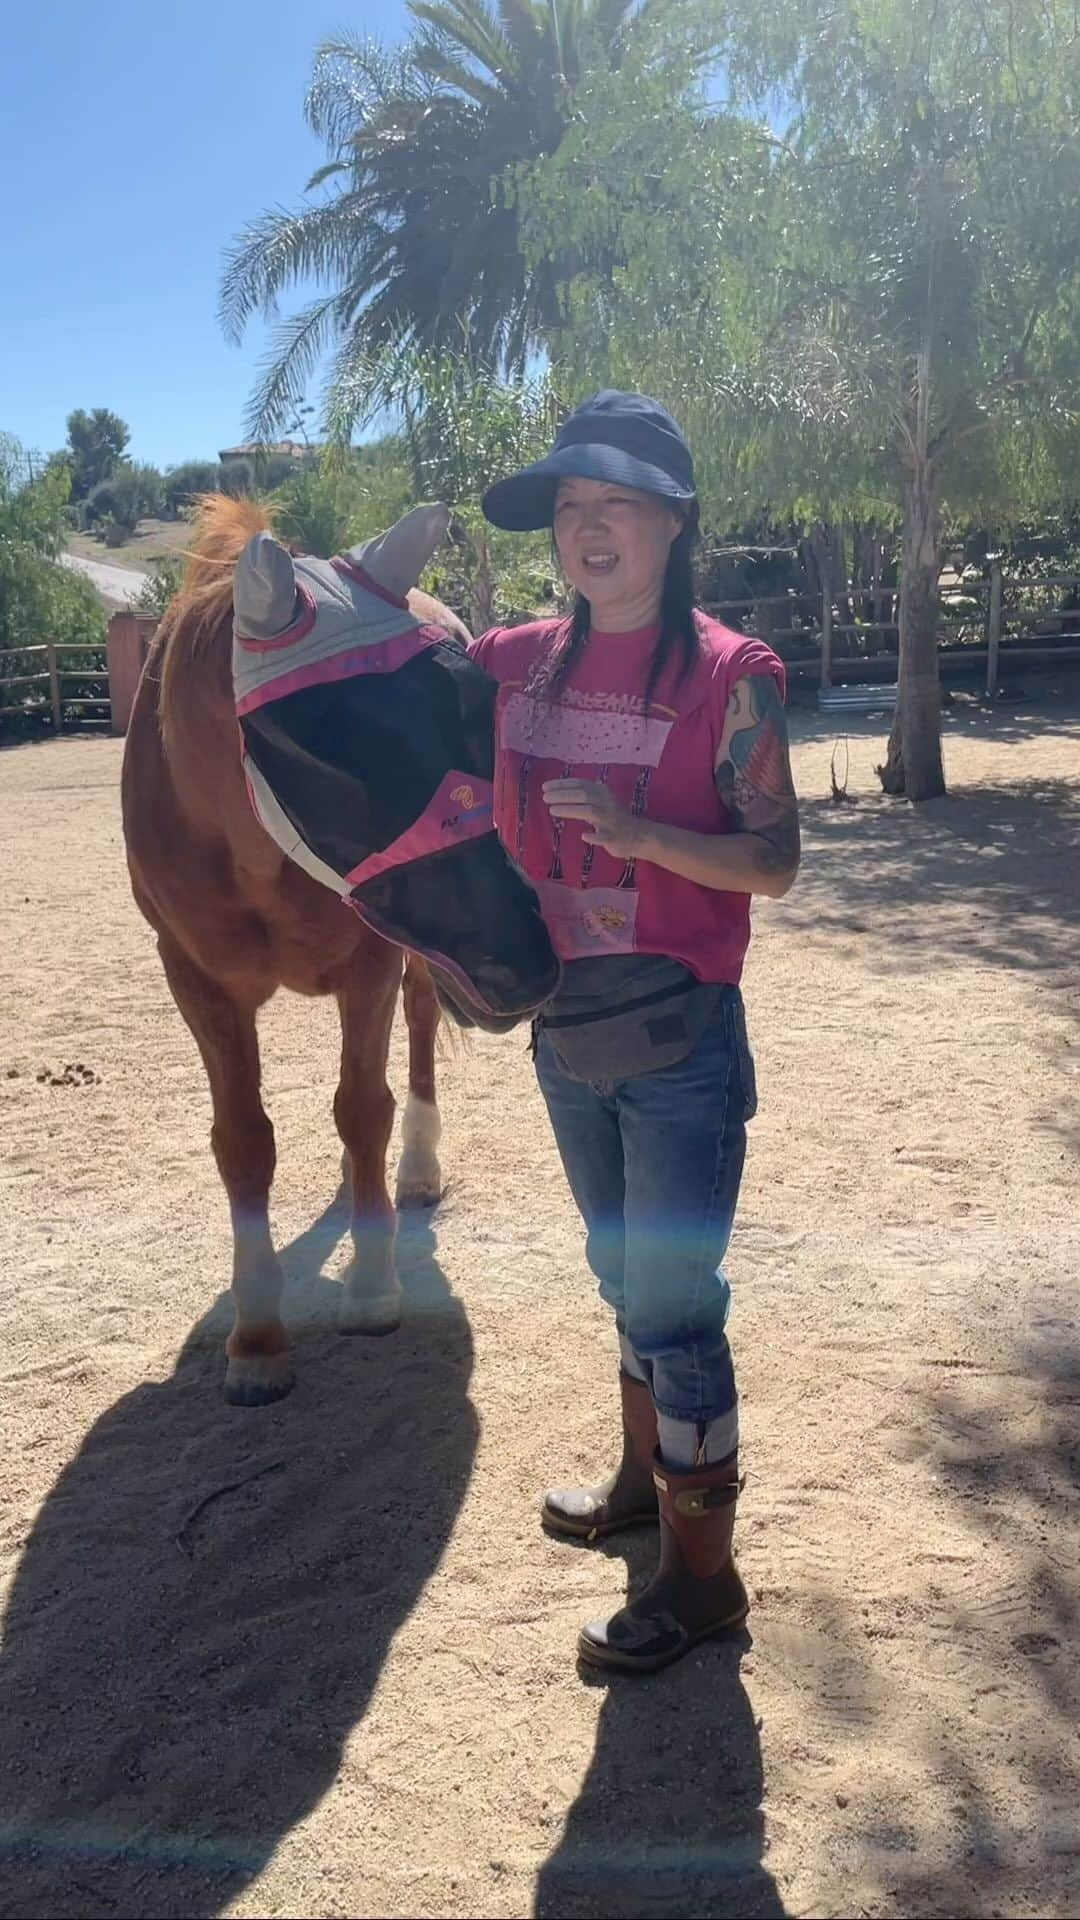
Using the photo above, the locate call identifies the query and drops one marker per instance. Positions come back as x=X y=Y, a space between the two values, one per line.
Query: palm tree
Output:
x=413 y=239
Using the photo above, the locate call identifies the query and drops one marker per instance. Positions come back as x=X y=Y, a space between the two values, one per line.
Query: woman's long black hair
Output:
x=678 y=640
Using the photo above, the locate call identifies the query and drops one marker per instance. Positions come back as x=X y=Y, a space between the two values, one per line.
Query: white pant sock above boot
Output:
x=685 y=1444
x=629 y=1361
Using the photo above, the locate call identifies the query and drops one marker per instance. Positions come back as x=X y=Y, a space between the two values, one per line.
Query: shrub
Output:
x=342 y=500
x=164 y=581
x=39 y=600
x=236 y=477
x=491 y=578
x=183 y=482
x=130 y=494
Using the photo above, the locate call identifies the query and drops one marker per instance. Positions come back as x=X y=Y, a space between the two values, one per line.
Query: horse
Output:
x=235 y=921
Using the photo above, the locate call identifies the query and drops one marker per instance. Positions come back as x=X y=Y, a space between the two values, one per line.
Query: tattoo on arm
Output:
x=753 y=772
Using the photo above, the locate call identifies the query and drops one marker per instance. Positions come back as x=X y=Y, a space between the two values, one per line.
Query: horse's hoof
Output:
x=257 y=1380
x=379 y=1314
x=417 y=1196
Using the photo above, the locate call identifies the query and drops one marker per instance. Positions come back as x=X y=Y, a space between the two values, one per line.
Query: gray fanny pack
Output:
x=637 y=1035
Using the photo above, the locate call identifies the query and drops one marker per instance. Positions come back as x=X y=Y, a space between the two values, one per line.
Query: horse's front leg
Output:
x=260 y=1366
x=419 y=1179
x=364 y=1112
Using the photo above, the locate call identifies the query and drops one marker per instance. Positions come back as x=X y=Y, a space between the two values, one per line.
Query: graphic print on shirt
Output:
x=555 y=871
x=602 y=736
x=637 y=808
x=585 y=729
x=590 y=852
x=658 y=761
x=524 y=771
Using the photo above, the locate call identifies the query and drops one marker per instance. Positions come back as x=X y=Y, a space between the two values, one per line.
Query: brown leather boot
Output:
x=696 y=1592
x=628 y=1497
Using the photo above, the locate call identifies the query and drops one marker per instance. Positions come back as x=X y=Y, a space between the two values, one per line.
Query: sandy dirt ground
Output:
x=318 y=1659
x=151 y=540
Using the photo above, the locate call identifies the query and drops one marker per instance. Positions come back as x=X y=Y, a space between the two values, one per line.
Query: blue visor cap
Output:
x=625 y=439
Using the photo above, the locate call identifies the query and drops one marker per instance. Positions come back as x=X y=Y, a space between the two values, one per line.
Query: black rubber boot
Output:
x=696 y=1592
x=628 y=1497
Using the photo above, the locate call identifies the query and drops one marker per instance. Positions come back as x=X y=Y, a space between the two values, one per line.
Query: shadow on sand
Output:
x=669 y=1820
x=207 y=1598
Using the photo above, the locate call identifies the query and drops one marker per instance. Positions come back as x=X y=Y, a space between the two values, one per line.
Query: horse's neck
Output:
x=198 y=712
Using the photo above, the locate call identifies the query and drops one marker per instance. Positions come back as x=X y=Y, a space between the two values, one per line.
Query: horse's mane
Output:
x=201 y=613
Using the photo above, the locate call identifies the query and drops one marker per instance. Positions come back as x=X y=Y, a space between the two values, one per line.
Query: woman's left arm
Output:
x=753 y=779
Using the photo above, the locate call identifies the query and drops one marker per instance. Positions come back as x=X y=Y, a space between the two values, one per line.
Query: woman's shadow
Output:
x=207 y=1597
x=669 y=1820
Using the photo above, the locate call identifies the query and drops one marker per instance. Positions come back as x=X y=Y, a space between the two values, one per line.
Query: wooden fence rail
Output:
x=130 y=634
x=125 y=650
x=50 y=680
x=988 y=593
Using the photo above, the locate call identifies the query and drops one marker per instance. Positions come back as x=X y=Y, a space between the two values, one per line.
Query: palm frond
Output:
x=408 y=238
x=295 y=351
x=352 y=80
x=607 y=20
x=469 y=25
x=435 y=58
x=282 y=247
x=527 y=28
x=362 y=386
x=324 y=173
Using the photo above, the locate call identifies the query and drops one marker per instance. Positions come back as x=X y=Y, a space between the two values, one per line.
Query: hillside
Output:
x=151 y=540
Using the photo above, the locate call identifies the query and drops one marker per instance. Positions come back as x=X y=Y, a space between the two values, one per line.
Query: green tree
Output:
x=182 y=483
x=39 y=600
x=163 y=582
x=462 y=425
x=130 y=494
x=932 y=170
x=656 y=195
x=236 y=477
x=412 y=236
x=340 y=500
x=270 y=469
x=96 y=441
x=886 y=311
x=260 y=472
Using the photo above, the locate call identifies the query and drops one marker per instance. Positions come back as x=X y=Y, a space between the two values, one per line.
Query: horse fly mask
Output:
x=368 y=742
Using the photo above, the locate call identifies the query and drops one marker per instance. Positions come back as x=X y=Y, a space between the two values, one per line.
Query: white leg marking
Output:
x=371 y=1293
x=419 y=1180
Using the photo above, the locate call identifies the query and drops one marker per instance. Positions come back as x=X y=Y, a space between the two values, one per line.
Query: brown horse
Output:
x=235 y=921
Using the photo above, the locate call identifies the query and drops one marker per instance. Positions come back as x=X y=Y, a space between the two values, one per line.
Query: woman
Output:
x=643 y=783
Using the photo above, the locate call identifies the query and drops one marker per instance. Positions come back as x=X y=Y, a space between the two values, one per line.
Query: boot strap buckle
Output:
x=694 y=1501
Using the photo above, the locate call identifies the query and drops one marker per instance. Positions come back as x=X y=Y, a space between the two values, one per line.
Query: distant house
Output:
x=261 y=450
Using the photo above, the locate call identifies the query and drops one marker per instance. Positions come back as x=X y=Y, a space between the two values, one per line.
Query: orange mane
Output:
x=199 y=620
x=222 y=529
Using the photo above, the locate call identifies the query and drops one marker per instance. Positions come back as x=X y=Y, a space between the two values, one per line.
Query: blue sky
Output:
x=135 y=141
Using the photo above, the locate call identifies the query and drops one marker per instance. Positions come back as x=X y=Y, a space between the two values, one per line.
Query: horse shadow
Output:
x=669 y=1819
x=207 y=1598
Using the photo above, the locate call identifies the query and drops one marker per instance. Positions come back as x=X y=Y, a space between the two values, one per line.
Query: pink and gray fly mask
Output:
x=368 y=741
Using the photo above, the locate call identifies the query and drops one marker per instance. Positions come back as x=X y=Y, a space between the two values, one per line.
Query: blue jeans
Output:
x=654 y=1164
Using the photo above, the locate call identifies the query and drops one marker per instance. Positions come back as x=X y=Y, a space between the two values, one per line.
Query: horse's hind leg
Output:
x=259 y=1365
x=419 y=1180
x=364 y=1111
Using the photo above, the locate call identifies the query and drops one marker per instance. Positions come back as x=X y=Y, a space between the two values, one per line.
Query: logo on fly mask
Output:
x=470 y=809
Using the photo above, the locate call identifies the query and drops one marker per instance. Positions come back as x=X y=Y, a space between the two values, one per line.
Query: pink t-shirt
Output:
x=659 y=763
